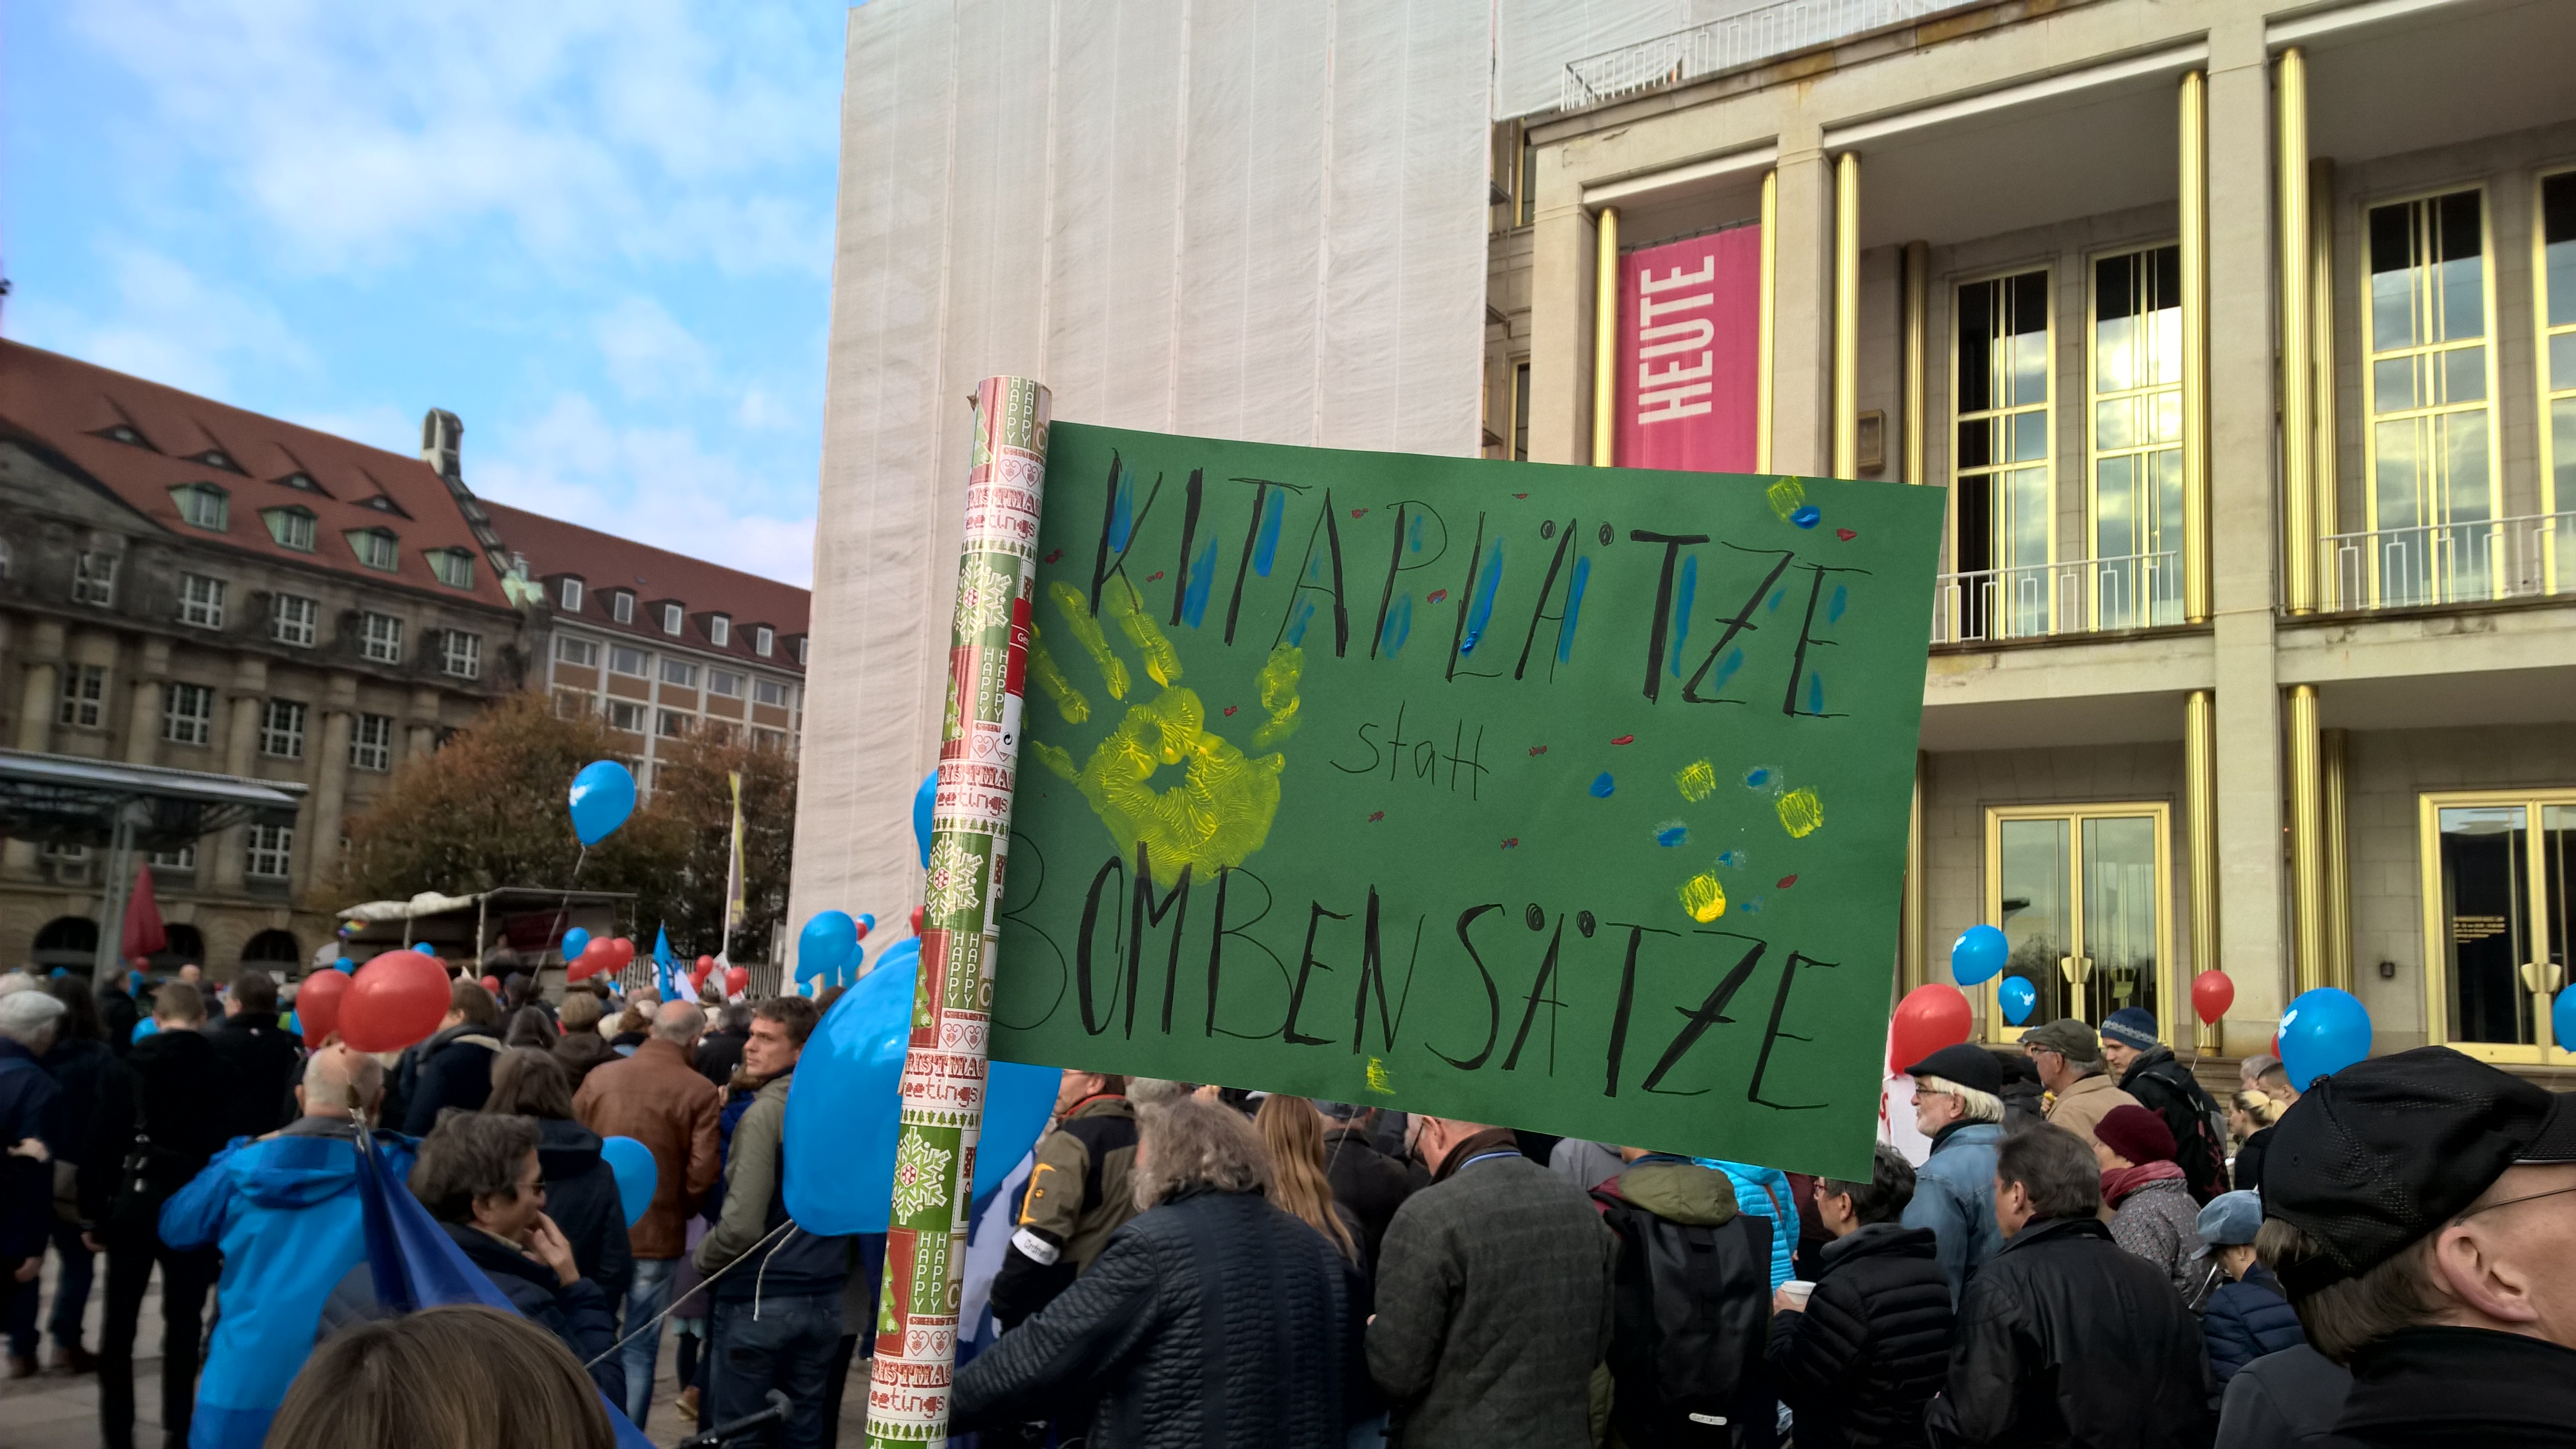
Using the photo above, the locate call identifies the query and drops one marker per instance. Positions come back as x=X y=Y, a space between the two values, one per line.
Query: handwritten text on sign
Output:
x=1568 y=799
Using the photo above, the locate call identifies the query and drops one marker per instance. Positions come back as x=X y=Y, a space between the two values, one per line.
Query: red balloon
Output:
x=393 y=1001
x=317 y=1004
x=492 y=984
x=916 y=920
x=599 y=958
x=2211 y=994
x=736 y=978
x=1931 y=1016
x=625 y=952
x=706 y=964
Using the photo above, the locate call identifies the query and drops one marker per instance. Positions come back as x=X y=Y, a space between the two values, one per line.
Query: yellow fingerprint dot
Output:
x=1378 y=1079
x=1786 y=496
x=1695 y=780
x=1801 y=813
x=1703 y=897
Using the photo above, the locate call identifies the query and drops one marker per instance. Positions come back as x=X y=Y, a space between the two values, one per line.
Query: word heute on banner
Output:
x=1689 y=323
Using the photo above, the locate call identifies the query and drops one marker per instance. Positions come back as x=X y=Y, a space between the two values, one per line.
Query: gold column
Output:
x=1910 y=949
x=2338 y=865
x=2298 y=415
x=1846 y=419
x=1918 y=291
x=2321 y=373
x=2307 y=844
x=2200 y=822
x=2192 y=173
x=1766 y=318
x=1605 y=333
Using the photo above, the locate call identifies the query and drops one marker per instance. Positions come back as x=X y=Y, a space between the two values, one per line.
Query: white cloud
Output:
x=654 y=485
x=163 y=322
x=648 y=353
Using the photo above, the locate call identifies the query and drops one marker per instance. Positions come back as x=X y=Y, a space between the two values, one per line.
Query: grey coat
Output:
x=1493 y=1305
x=2160 y=1223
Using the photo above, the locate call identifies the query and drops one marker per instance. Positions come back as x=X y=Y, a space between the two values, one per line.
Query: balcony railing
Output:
x=2080 y=596
x=2466 y=562
x=1737 y=40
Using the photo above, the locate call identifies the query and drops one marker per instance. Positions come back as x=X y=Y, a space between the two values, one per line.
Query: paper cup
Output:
x=1798 y=1289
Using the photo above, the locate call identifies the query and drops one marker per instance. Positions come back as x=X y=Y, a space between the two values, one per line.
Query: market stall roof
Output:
x=431 y=903
x=74 y=801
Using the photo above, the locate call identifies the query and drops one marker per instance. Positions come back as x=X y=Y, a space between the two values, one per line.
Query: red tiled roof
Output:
x=72 y=407
x=604 y=562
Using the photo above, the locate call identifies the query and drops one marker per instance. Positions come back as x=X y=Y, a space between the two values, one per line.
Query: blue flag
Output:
x=665 y=970
x=417 y=1265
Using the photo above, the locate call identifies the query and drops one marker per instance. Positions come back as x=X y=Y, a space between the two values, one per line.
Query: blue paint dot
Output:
x=1672 y=835
x=1807 y=517
x=1756 y=779
x=1602 y=785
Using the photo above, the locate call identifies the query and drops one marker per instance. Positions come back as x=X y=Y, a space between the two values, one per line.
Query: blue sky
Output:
x=598 y=232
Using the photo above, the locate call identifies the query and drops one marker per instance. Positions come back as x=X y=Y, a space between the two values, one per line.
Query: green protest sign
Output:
x=1563 y=798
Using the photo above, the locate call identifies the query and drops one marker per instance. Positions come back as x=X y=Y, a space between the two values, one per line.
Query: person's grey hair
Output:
x=1974 y=1105
x=579 y=1012
x=1883 y=1198
x=470 y=1155
x=30 y=1018
x=328 y=1076
x=13 y=982
x=1154 y=1091
x=1188 y=1143
x=2055 y=1167
x=736 y=1017
x=680 y=1021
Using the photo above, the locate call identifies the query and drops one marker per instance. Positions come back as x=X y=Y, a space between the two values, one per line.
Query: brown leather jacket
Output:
x=657 y=1097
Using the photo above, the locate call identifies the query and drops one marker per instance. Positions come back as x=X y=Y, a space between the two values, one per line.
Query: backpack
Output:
x=1690 y=1311
x=2200 y=1147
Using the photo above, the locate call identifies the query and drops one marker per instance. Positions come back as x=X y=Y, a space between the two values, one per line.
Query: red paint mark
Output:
x=1230 y=709
x=1376 y=815
x=1359 y=513
x=1155 y=577
x=1508 y=844
x=1436 y=596
x=1520 y=495
x=1787 y=881
x=1625 y=740
x=1845 y=534
x=1051 y=558
x=1538 y=749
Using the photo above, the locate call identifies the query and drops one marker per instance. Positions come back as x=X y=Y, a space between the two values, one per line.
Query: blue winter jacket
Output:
x=1765 y=1193
x=1954 y=1196
x=2246 y=1320
x=285 y=1212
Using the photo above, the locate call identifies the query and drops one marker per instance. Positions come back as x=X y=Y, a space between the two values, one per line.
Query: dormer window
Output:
x=672 y=619
x=572 y=596
x=122 y=433
x=720 y=631
x=203 y=505
x=621 y=607
x=383 y=504
x=216 y=458
x=763 y=639
x=375 y=547
x=302 y=482
x=291 y=527
x=453 y=567
x=800 y=651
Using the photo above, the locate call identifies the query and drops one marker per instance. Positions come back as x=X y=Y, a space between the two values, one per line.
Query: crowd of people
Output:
x=2085 y=1248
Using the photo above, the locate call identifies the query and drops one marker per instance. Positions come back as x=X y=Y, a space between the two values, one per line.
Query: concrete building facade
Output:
x=2226 y=671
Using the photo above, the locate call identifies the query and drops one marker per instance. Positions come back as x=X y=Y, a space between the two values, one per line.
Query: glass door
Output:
x=2497 y=876
x=2082 y=893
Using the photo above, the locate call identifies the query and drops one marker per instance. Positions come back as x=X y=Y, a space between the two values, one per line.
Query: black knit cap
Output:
x=2386 y=1151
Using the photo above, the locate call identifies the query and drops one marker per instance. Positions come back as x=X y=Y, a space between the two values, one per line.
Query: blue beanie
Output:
x=2131 y=1026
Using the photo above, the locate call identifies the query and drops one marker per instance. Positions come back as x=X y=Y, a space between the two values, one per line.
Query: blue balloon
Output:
x=2562 y=1019
x=1018 y=1100
x=825 y=946
x=424 y=948
x=146 y=1027
x=345 y=966
x=603 y=795
x=1978 y=955
x=632 y=1164
x=294 y=1024
x=2323 y=1032
x=59 y=971
x=921 y=803
x=2018 y=997
x=573 y=942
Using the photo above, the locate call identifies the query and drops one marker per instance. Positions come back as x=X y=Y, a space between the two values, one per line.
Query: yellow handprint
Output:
x=1220 y=811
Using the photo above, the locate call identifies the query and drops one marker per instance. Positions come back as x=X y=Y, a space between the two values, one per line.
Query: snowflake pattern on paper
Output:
x=983 y=600
x=952 y=890
x=920 y=1175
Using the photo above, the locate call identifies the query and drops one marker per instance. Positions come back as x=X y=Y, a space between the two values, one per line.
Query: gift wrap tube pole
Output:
x=944 y=1068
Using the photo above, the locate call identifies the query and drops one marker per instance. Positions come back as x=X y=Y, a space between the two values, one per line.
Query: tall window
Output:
x=671 y=619
x=188 y=714
x=203 y=505
x=380 y=638
x=201 y=601
x=2433 y=483
x=293 y=619
x=1525 y=188
x=291 y=527
x=2137 y=438
x=2002 y=462
x=281 y=730
x=461 y=654
x=1520 y=409
x=720 y=631
x=272 y=851
x=453 y=567
x=2558 y=351
x=572 y=596
x=621 y=607
x=374 y=547
x=763 y=639
x=371 y=744
x=84 y=704
x=94 y=578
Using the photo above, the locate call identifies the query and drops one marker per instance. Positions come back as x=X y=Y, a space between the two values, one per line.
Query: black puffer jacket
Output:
x=2065 y=1340
x=581 y=1197
x=1369 y=1183
x=1213 y=1319
x=455 y=1071
x=1859 y=1365
x=576 y=1312
x=2246 y=1320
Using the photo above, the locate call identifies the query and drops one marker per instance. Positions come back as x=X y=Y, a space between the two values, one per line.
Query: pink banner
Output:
x=1689 y=319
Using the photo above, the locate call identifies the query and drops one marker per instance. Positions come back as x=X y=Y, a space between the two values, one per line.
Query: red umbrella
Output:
x=144 y=933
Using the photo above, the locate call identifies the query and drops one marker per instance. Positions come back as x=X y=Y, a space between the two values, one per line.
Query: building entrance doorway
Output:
x=2497 y=918
x=2082 y=893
